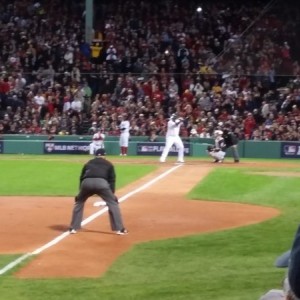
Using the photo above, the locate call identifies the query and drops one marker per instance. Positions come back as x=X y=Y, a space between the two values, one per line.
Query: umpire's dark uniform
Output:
x=98 y=177
x=231 y=141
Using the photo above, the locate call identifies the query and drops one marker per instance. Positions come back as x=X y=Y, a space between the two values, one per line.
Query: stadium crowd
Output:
x=229 y=63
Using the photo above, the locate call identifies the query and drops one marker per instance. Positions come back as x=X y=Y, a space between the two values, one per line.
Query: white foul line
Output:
x=84 y=222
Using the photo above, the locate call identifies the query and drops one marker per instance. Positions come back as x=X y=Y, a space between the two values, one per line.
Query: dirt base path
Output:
x=159 y=212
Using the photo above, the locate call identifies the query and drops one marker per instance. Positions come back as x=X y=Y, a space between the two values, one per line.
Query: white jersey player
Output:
x=173 y=138
x=218 y=150
x=124 y=135
x=98 y=142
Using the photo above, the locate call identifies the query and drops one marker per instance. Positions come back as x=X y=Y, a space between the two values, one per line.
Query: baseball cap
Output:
x=100 y=152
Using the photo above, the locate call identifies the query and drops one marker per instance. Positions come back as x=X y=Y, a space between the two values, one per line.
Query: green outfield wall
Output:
x=194 y=147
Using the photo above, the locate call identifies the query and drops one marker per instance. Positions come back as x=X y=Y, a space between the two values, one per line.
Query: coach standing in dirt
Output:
x=98 y=178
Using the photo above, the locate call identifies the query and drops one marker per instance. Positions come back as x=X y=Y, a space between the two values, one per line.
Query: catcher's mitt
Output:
x=210 y=148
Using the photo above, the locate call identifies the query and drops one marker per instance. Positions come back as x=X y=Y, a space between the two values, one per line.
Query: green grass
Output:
x=244 y=187
x=229 y=265
x=54 y=177
x=5 y=259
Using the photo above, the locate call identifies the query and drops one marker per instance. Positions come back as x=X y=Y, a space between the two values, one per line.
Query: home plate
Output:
x=99 y=203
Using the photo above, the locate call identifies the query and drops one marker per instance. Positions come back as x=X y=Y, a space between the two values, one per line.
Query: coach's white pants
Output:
x=170 y=141
x=124 y=139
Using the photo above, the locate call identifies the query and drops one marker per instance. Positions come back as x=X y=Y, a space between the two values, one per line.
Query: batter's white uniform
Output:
x=97 y=143
x=124 y=136
x=173 y=138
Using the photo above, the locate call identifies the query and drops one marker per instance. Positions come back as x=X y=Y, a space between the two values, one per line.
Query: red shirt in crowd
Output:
x=147 y=89
x=157 y=96
x=4 y=87
x=188 y=95
x=280 y=119
x=249 y=125
x=223 y=116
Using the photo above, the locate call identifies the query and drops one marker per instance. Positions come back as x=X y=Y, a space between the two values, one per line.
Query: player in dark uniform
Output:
x=231 y=141
x=98 y=178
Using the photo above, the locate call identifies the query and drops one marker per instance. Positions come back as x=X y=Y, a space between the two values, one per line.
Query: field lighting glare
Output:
x=199 y=9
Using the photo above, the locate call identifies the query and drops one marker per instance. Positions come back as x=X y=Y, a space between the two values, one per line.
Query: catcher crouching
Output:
x=217 y=151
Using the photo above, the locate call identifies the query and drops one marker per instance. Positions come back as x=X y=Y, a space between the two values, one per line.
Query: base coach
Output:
x=98 y=177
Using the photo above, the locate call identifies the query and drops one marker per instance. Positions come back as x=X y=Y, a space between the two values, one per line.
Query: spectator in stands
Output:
x=153 y=136
x=236 y=70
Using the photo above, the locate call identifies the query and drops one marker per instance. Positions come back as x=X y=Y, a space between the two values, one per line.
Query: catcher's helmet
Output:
x=218 y=132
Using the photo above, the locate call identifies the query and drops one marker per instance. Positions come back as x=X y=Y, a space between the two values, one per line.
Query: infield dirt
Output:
x=159 y=212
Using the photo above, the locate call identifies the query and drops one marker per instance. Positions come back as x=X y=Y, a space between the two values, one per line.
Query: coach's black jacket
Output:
x=99 y=168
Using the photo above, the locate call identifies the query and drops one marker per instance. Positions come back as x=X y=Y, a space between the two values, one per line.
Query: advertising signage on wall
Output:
x=290 y=150
x=66 y=147
x=153 y=148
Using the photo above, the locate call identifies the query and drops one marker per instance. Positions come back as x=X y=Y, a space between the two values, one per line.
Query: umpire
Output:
x=98 y=177
x=231 y=141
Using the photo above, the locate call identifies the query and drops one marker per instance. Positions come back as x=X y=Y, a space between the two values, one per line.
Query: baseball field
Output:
x=197 y=231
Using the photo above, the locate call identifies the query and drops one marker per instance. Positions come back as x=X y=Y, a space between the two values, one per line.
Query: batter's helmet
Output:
x=173 y=116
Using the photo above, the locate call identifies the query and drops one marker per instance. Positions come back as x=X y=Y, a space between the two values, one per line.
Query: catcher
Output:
x=217 y=151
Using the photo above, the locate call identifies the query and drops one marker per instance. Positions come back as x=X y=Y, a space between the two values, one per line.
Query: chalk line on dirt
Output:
x=89 y=219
